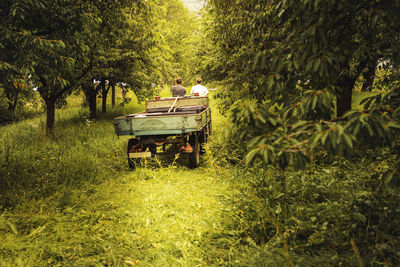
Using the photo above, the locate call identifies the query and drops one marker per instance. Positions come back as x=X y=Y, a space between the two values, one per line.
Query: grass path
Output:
x=177 y=214
x=74 y=202
x=170 y=216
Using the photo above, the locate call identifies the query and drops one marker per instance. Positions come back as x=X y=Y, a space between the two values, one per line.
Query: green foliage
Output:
x=292 y=65
x=62 y=46
x=23 y=47
x=312 y=217
x=299 y=61
x=263 y=48
x=120 y=46
x=50 y=163
x=289 y=136
x=70 y=200
x=178 y=30
x=336 y=45
x=234 y=34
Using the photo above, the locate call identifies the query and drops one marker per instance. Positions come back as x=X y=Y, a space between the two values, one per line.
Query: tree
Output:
x=21 y=45
x=268 y=48
x=174 y=43
x=57 y=72
x=305 y=56
x=144 y=63
x=331 y=43
x=123 y=51
x=61 y=46
x=235 y=36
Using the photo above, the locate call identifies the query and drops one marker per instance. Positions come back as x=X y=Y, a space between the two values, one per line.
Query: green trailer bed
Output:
x=144 y=124
x=183 y=121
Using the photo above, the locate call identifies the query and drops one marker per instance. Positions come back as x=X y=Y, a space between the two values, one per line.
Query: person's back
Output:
x=178 y=89
x=199 y=89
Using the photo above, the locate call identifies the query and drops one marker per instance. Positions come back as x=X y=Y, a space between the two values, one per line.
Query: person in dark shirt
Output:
x=178 y=89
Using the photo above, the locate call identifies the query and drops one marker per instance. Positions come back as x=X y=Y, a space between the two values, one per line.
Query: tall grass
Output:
x=70 y=199
x=149 y=217
x=80 y=151
x=332 y=213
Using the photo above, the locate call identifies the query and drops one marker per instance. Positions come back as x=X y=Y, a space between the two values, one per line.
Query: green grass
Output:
x=71 y=200
x=152 y=217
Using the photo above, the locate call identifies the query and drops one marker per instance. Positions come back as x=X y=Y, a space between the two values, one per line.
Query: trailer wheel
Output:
x=132 y=162
x=194 y=157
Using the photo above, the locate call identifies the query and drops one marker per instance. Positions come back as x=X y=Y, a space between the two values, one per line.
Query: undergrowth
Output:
x=80 y=151
x=331 y=213
x=326 y=214
x=70 y=200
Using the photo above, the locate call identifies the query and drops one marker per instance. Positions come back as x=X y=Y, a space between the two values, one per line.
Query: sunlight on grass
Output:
x=175 y=212
x=71 y=200
x=154 y=217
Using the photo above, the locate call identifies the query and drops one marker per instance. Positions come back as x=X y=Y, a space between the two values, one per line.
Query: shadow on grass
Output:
x=171 y=158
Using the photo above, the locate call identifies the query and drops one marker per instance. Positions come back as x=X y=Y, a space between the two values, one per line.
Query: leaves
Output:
x=287 y=64
x=287 y=137
x=63 y=45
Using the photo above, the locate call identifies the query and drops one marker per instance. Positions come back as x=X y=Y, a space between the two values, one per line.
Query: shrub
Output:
x=329 y=211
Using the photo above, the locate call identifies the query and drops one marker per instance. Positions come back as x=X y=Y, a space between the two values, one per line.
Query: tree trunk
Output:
x=104 y=102
x=91 y=98
x=92 y=106
x=104 y=99
x=50 y=116
x=113 y=95
x=10 y=107
x=345 y=85
x=344 y=95
x=369 y=76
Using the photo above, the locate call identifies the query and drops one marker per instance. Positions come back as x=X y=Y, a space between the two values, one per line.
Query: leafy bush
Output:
x=6 y=116
x=288 y=136
x=327 y=213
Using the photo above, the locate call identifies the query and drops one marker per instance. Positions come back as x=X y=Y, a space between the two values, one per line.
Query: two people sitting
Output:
x=198 y=89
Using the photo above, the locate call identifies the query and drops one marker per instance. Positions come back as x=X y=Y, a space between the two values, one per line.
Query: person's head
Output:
x=198 y=80
x=178 y=80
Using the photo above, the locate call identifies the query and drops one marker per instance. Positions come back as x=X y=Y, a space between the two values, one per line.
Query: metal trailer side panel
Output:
x=184 y=101
x=161 y=125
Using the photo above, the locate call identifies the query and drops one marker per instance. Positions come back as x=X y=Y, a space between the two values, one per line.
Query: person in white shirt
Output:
x=199 y=88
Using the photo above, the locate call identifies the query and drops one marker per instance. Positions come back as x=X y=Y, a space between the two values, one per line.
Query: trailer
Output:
x=183 y=121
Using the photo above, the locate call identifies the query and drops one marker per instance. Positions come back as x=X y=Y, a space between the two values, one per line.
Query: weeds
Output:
x=71 y=200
